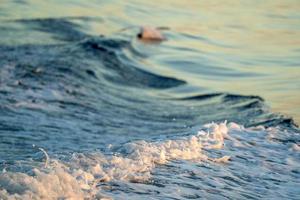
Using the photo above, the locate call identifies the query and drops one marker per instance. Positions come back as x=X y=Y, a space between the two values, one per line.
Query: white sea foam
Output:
x=79 y=178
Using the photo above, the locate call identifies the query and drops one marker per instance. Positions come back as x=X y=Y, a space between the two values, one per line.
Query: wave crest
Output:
x=82 y=175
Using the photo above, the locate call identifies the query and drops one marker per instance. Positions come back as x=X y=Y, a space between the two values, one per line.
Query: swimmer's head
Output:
x=150 y=34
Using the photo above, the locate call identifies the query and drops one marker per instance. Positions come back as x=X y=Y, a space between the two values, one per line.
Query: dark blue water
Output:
x=88 y=116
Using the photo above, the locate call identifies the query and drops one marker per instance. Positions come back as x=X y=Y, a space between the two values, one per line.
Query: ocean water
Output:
x=88 y=111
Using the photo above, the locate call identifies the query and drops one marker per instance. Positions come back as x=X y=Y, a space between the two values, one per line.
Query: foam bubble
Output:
x=79 y=177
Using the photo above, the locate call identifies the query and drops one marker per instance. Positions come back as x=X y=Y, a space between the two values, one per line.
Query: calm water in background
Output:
x=120 y=117
x=237 y=46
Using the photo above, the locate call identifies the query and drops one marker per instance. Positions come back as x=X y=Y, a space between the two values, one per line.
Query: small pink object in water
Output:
x=150 y=34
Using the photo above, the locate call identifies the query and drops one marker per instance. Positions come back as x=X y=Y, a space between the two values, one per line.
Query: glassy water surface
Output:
x=87 y=111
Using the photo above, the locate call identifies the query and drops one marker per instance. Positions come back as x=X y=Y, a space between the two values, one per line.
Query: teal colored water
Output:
x=242 y=47
x=88 y=111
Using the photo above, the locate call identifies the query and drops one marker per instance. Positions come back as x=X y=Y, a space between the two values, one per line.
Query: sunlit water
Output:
x=87 y=111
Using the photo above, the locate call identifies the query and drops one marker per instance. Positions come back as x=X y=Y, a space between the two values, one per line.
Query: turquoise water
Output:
x=88 y=111
x=242 y=47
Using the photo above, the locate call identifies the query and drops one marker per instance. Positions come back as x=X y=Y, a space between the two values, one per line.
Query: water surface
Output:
x=88 y=111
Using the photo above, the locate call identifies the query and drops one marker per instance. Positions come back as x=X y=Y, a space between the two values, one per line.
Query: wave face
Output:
x=83 y=120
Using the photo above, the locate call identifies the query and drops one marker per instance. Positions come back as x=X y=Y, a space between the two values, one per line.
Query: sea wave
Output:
x=82 y=175
x=107 y=121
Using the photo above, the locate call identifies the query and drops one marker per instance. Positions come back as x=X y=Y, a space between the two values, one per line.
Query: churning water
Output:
x=87 y=111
